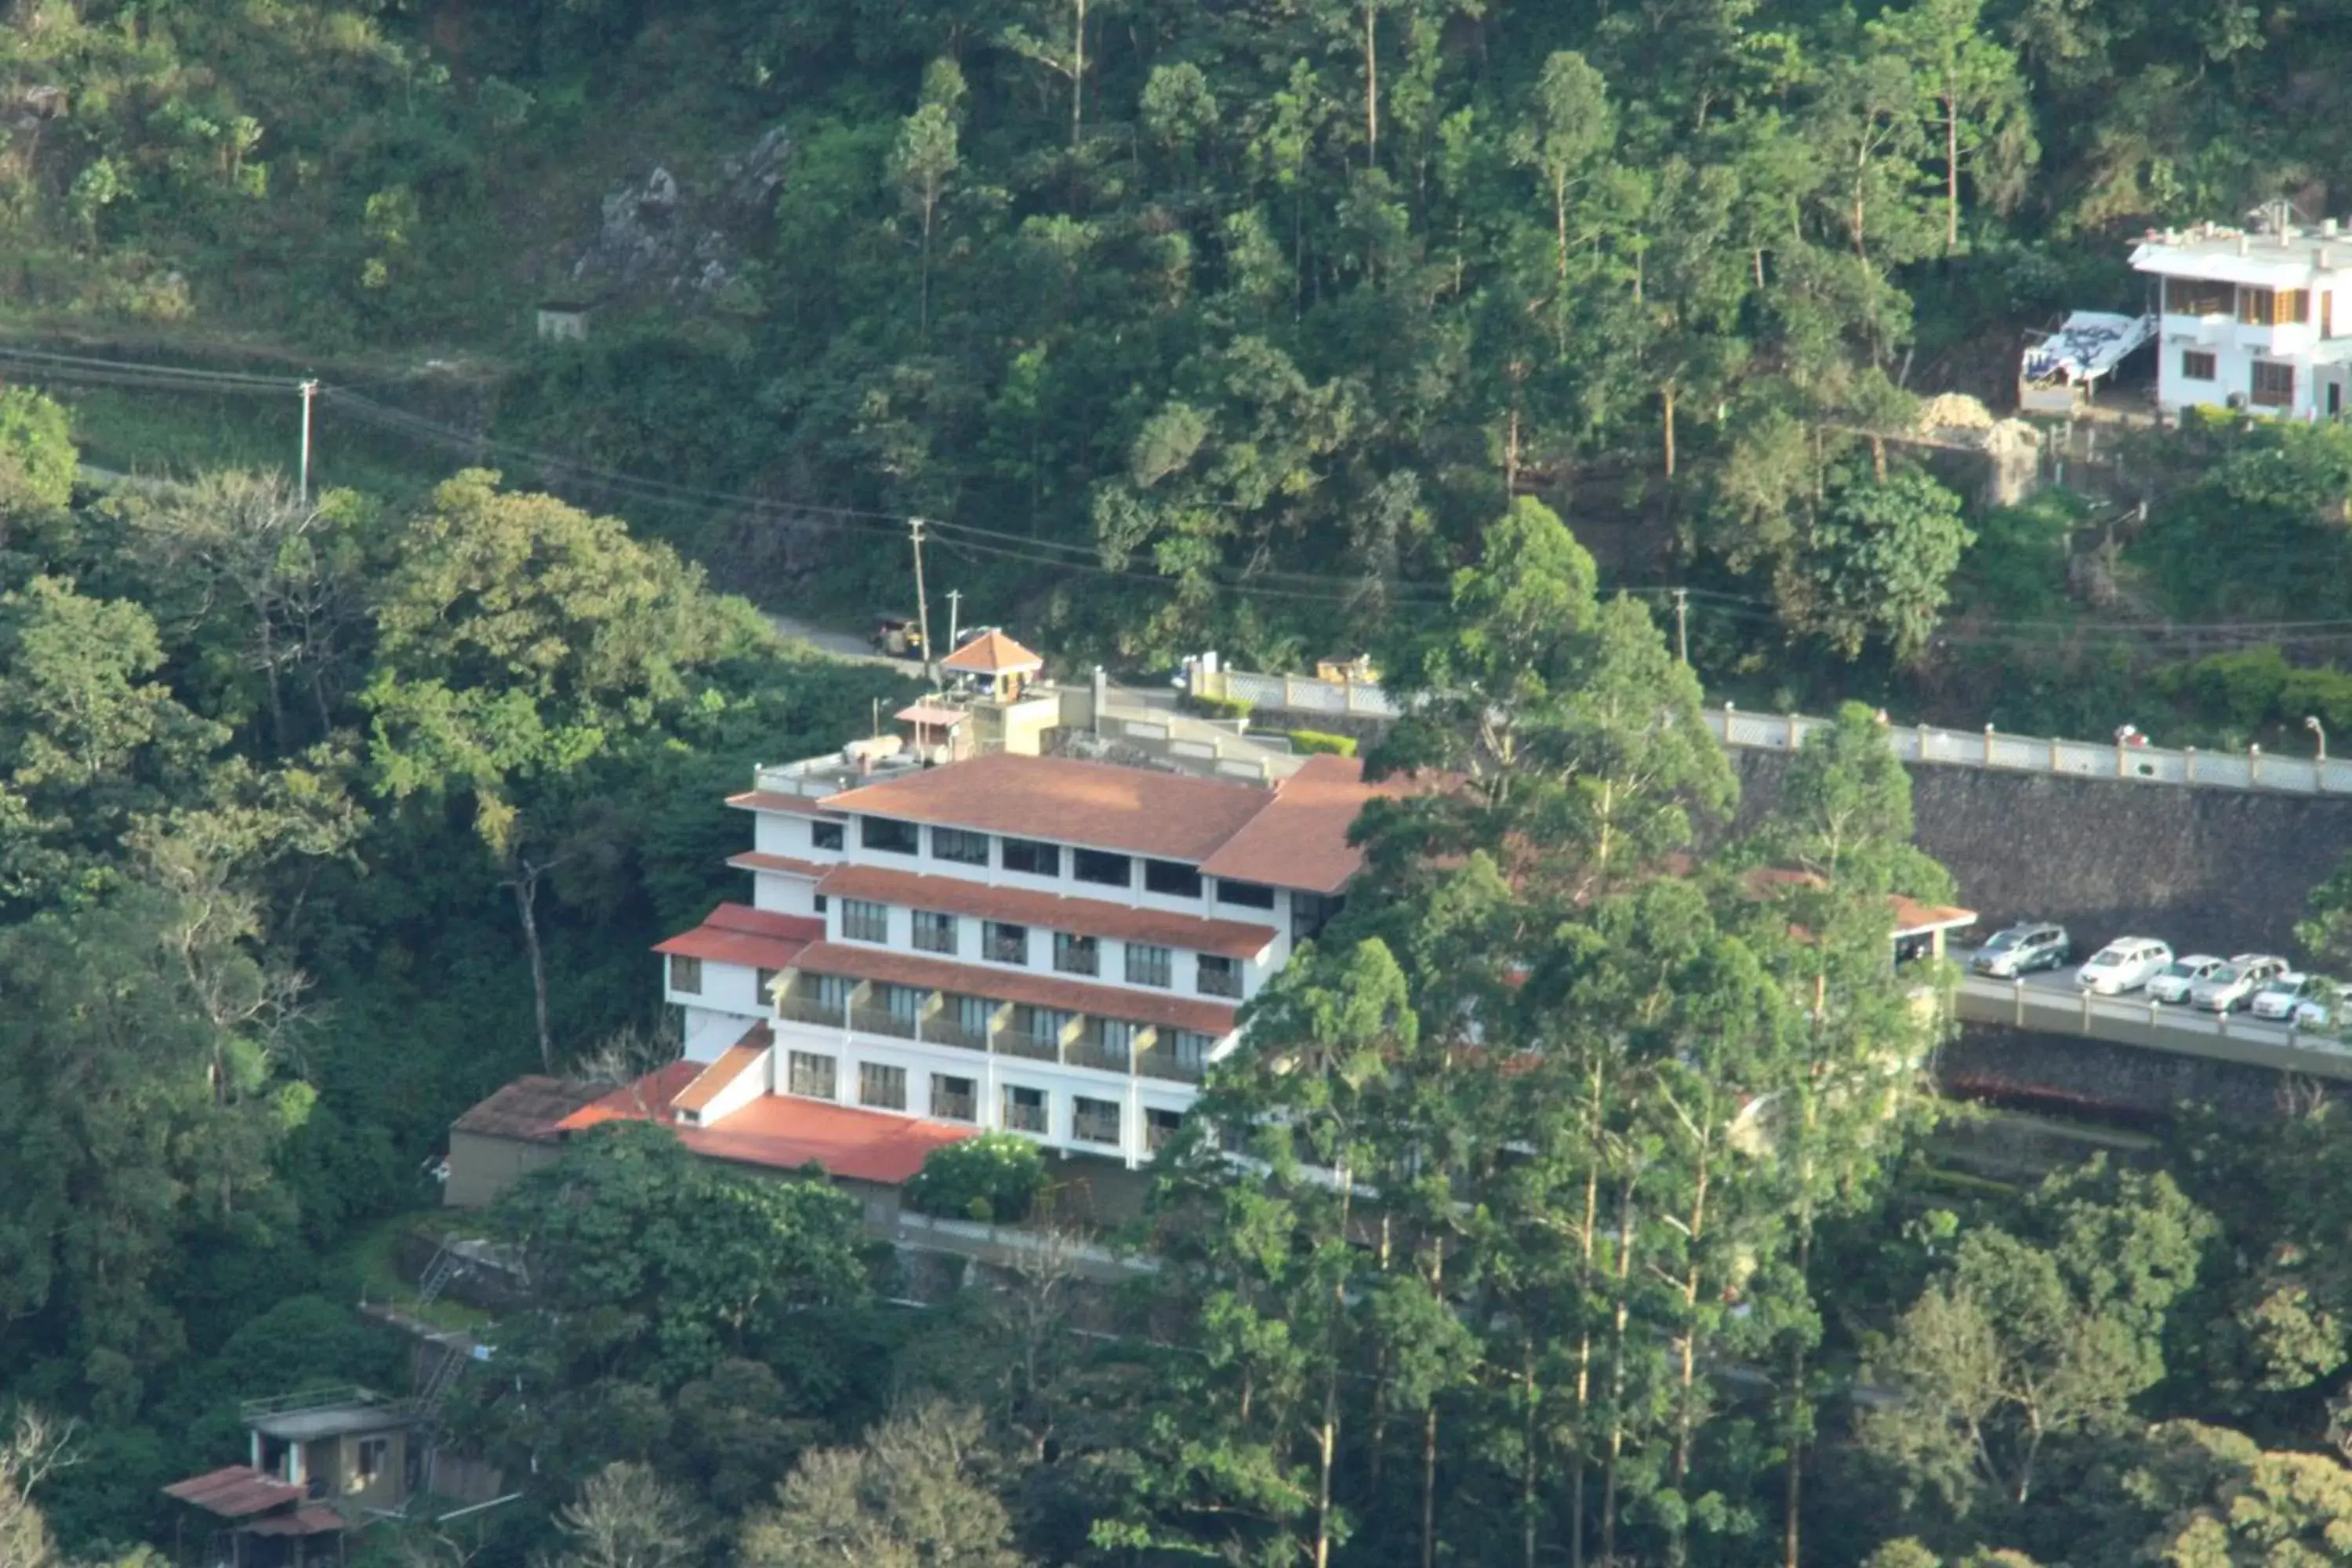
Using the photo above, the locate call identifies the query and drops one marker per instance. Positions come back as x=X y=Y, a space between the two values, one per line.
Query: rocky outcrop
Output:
x=655 y=235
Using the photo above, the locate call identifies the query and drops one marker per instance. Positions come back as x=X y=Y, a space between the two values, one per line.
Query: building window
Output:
x=882 y=1088
x=832 y=992
x=686 y=973
x=1002 y=944
x=1030 y=858
x=955 y=844
x=1191 y=1048
x=934 y=931
x=1219 y=976
x=952 y=1099
x=820 y=903
x=1075 y=954
x=1159 y=1127
x=891 y=837
x=763 y=986
x=1118 y=1041
x=2196 y=365
x=863 y=922
x=1172 y=877
x=973 y=1014
x=809 y=1075
x=2196 y=297
x=1024 y=1109
x=1102 y=866
x=1251 y=895
x=1047 y=1026
x=2273 y=307
x=904 y=1004
x=1094 y=1121
x=1149 y=965
x=2274 y=385
x=825 y=835
x=375 y=1453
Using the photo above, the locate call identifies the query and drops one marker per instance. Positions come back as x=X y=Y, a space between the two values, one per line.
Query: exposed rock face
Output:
x=656 y=235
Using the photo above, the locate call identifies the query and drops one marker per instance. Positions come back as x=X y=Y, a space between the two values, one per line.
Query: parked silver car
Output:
x=2175 y=980
x=2125 y=964
x=2021 y=949
x=2278 y=1000
x=2233 y=986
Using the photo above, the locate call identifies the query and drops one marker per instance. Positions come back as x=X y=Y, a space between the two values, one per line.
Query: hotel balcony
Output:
x=1121 y=1047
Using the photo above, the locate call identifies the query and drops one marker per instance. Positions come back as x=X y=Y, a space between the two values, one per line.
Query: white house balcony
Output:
x=1102 y=1042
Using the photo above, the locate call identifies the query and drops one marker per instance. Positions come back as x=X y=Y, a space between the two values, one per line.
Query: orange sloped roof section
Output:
x=779 y=1132
x=1300 y=839
x=733 y=1062
x=992 y=653
x=1103 y=805
x=738 y=933
x=234 y=1491
x=772 y=800
x=1084 y=917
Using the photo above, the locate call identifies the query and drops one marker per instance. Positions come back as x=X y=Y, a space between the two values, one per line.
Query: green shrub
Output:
x=993 y=1178
x=1215 y=707
x=1315 y=742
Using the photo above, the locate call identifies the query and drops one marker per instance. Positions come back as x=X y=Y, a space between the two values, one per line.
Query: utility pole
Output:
x=922 y=605
x=955 y=618
x=1682 y=624
x=310 y=390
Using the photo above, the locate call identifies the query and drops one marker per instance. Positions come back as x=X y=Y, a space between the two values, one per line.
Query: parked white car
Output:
x=2278 y=1000
x=2023 y=949
x=2325 y=1007
x=2175 y=980
x=2233 y=986
x=2125 y=964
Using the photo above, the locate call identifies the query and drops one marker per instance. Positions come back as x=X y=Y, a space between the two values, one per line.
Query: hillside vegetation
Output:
x=1265 y=308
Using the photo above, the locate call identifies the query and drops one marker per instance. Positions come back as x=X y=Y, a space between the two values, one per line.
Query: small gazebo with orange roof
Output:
x=1004 y=665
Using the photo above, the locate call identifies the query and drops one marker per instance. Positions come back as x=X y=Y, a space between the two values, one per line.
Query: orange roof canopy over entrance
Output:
x=992 y=653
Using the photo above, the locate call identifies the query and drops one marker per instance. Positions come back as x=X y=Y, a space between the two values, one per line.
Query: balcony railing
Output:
x=1095 y=1126
x=1024 y=1117
x=1095 y=1054
x=1167 y=1065
x=954 y=1107
x=1022 y=1043
x=811 y=1010
x=943 y=1029
x=1157 y=1136
x=882 y=1021
x=1220 y=982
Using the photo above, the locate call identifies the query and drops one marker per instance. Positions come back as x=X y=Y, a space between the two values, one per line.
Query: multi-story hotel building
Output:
x=965 y=933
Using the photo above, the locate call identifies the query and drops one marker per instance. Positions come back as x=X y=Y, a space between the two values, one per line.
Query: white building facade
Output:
x=2254 y=320
x=1037 y=944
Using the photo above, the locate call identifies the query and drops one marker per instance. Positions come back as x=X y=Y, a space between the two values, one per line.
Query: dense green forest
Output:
x=1236 y=323
x=1291 y=327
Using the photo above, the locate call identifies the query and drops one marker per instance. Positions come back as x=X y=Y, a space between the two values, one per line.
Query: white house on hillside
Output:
x=2259 y=320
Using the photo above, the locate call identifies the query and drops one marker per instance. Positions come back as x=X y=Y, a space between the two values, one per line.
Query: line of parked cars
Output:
x=2262 y=984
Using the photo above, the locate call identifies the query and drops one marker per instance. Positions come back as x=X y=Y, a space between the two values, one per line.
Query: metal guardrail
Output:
x=2153 y=1026
x=1987 y=748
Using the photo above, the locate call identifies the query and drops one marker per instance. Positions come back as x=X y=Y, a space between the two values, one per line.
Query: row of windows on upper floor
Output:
x=1001 y=941
x=1035 y=857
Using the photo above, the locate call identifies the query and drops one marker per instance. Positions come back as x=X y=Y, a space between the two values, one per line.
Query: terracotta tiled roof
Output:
x=738 y=933
x=992 y=653
x=783 y=1133
x=760 y=860
x=648 y=1098
x=1301 y=839
x=1087 y=917
x=931 y=713
x=1139 y=811
x=733 y=1063
x=1017 y=985
x=234 y=1491
x=529 y=1109
x=1911 y=916
x=773 y=800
